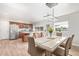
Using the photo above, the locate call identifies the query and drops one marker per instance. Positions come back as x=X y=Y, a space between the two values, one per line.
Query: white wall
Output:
x=73 y=20
x=66 y=8
x=4 y=29
x=74 y=26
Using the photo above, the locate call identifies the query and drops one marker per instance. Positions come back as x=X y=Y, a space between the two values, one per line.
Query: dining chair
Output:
x=59 y=34
x=71 y=41
x=32 y=49
x=34 y=35
x=60 y=51
x=63 y=44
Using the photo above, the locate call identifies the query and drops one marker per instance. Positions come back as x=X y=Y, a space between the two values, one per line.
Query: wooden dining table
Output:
x=49 y=44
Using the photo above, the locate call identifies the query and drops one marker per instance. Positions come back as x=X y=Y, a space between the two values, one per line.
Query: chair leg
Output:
x=69 y=47
x=47 y=53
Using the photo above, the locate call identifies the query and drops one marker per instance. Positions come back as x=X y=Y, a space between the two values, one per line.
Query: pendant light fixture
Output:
x=51 y=5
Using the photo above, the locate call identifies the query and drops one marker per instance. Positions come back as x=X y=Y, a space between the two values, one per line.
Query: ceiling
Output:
x=30 y=12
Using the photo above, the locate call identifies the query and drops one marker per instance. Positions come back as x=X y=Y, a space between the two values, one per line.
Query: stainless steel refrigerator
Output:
x=13 y=31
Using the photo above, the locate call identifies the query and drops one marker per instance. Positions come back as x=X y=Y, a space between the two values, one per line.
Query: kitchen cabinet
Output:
x=21 y=26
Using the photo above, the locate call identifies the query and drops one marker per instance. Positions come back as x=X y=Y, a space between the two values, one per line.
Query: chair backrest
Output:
x=71 y=41
x=67 y=46
x=65 y=51
x=34 y=35
x=31 y=46
x=59 y=34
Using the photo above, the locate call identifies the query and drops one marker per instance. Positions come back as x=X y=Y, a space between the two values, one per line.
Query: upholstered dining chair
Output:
x=71 y=41
x=63 y=44
x=59 y=34
x=60 y=51
x=34 y=35
x=32 y=49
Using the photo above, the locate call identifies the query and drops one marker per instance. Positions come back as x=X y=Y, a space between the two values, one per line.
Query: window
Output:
x=61 y=25
x=38 y=28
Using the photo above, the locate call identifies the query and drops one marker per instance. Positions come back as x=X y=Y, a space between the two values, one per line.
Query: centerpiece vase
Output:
x=50 y=35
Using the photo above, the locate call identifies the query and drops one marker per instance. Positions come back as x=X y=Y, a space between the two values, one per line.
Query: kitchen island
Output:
x=24 y=36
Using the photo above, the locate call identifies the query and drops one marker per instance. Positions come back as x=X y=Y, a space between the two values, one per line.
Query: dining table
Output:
x=49 y=44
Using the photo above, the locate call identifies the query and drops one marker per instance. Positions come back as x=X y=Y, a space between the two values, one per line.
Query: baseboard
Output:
x=4 y=39
x=75 y=44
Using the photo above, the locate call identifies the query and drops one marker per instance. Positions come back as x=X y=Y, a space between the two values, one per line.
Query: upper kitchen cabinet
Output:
x=22 y=25
x=65 y=9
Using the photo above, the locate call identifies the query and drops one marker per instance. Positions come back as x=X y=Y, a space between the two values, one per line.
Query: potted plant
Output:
x=50 y=30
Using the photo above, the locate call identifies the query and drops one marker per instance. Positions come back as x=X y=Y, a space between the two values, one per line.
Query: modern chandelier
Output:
x=51 y=5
